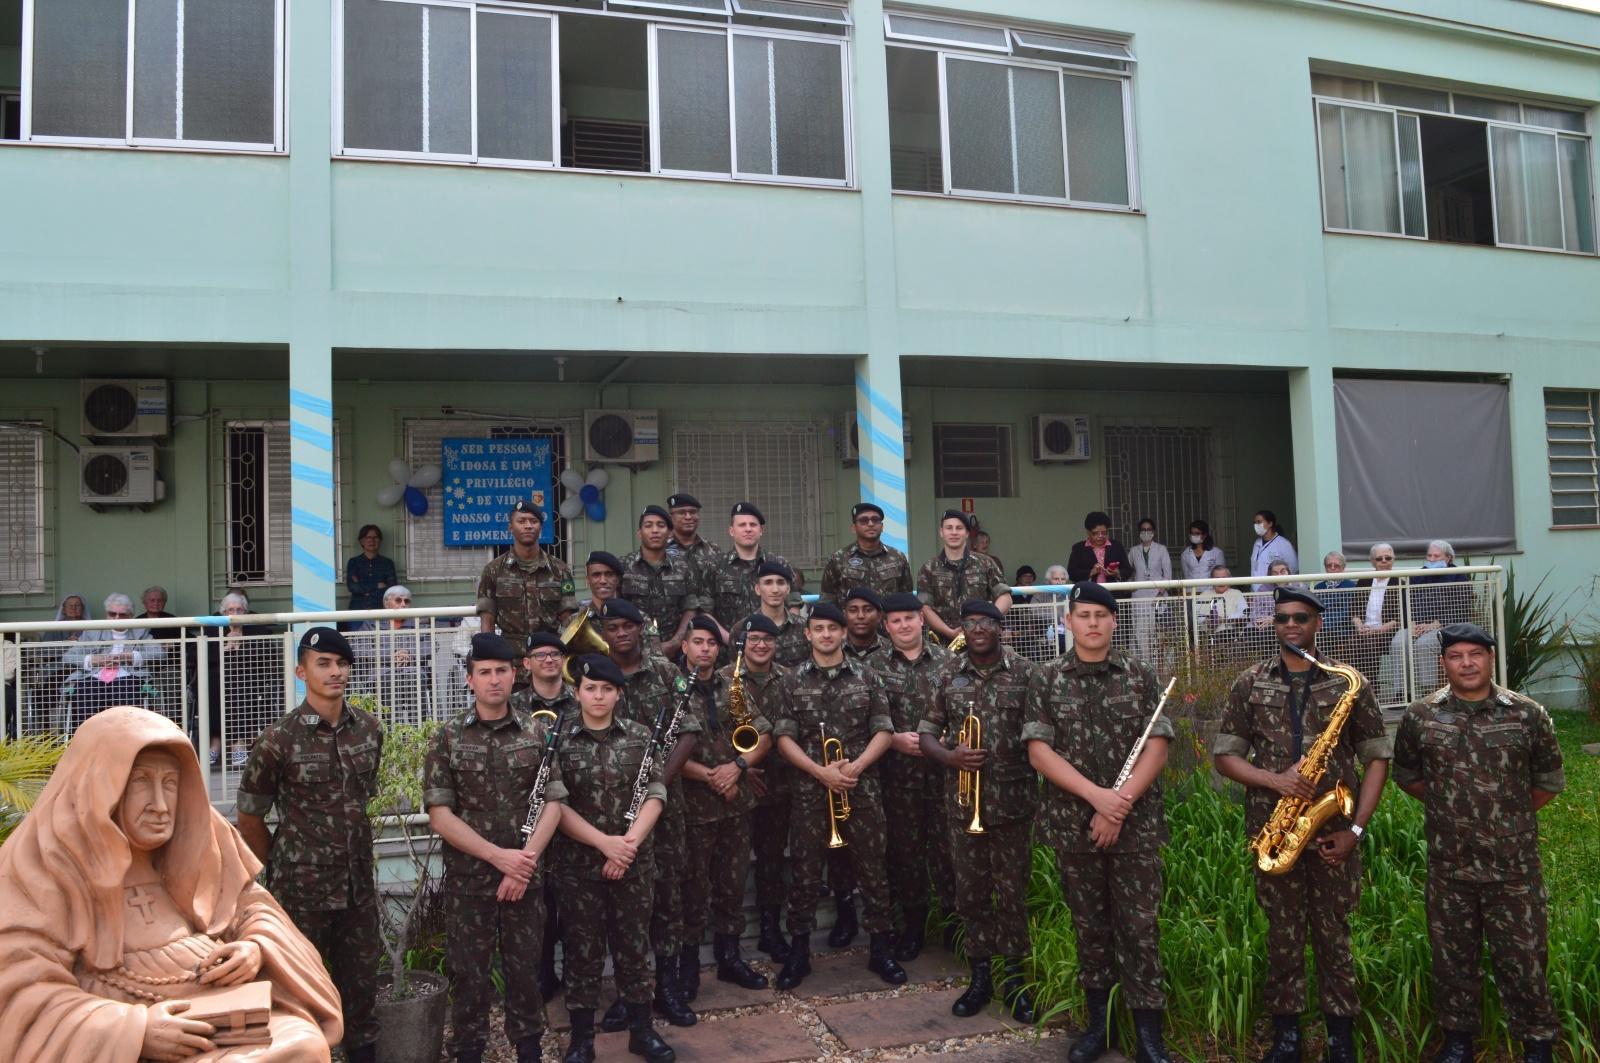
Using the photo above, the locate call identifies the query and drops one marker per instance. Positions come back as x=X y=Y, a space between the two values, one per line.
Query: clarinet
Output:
x=663 y=737
x=540 y=782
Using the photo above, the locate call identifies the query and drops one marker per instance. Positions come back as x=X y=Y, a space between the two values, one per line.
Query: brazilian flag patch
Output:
x=680 y=684
x=568 y=587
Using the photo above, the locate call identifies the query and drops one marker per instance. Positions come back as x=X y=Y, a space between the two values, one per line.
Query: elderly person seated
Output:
x=1376 y=614
x=394 y=658
x=71 y=607
x=154 y=600
x=1338 y=599
x=1223 y=607
x=110 y=667
x=247 y=669
x=1435 y=602
x=1261 y=605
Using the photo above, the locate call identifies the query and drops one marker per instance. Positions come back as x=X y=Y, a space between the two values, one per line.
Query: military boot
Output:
x=529 y=1050
x=689 y=972
x=1285 y=1040
x=979 y=991
x=845 y=926
x=1341 y=1039
x=1152 y=1048
x=580 y=1045
x=1457 y=1048
x=464 y=1054
x=1097 y=1038
x=909 y=947
x=669 y=994
x=881 y=961
x=798 y=965
x=367 y=1054
x=643 y=1039
x=732 y=968
x=771 y=940
x=1538 y=1051
x=616 y=1017
x=1014 y=991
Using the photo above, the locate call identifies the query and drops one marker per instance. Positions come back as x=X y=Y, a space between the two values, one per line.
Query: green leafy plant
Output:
x=1586 y=658
x=25 y=766
x=1535 y=634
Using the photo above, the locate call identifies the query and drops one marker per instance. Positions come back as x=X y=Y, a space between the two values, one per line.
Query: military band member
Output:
x=684 y=514
x=1089 y=708
x=774 y=584
x=665 y=587
x=526 y=589
x=604 y=862
x=717 y=804
x=831 y=697
x=729 y=580
x=956 y=575
x=319 y=766
x=603 y=573
x=479 y=773
x=1275 y=711
x=863 y=620
x=913 y=785
x=1483 y=761
x=988 y=683
x=769 y=821
x=866 y=562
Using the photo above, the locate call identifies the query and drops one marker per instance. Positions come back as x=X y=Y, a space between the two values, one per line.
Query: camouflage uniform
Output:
x=1091 y=714
x=1258 y=724
x=594 y=778
x=946 y=586
x=879 y=645
x=321 y=867
x=718 y=831
x=526 y=596
x=847 y=702
x=1478 y=762
x=728 y=585
x=913 y=787
x=528 y=700
x=992 y=868
x=699 y=554
x=663 y=593
x=793 y=649
x=769 y=821
x=484 y=771
x=888 y=572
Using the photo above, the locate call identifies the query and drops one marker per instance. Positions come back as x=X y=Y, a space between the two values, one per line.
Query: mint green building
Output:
x=1178 y=259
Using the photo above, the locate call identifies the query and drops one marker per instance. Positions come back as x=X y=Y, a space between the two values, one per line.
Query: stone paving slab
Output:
x=1024 y=1050
x=842 y=974
x=714 y=996
x=771 y=1037
x=891 y=1022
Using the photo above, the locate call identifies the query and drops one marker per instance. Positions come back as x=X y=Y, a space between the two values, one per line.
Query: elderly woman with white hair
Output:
x=244 y=673
x=110 y=667
x=394 y=658
x=1435 y=602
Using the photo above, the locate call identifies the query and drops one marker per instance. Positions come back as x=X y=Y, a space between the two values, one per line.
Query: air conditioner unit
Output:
x=849 y=438
x=118 y=476
x=1061 y=437
x=624 y=437
x=124 y=409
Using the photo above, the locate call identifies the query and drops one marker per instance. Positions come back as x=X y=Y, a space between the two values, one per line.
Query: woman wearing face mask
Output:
x=1203 y=554
x=1436 y=600
x=1151 y=563
x=1271 y=545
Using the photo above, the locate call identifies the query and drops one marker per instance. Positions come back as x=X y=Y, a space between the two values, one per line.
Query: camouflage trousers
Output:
x=769 y=838
x=348 y=941
x=599 y=915
x=1511 y=915
x=1320 y=898
x=713 y=880
x=1114 y=899
x=919 y=843
x=474 y=926
x=992 y=871
x=666 y=911
x=863 y=834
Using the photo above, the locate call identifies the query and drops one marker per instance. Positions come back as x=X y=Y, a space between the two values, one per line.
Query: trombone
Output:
x=969 y=784
x=838 y=805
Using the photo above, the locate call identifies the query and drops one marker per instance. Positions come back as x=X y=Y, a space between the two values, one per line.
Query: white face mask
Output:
x=1197 y=539
x=1261 y=529
x=1147 y=537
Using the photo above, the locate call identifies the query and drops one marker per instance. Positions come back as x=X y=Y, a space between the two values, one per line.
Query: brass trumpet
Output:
x=969 y=784
x=838 y=805
x=581 y=635
x=745 y=737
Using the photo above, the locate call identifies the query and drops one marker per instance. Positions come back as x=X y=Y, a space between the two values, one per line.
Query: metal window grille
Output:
x=973 y=461
x=22 y=508
x=773 y=464
x=1569 y=422
x=427 y=558
x=1164 y=473
x=258 y=498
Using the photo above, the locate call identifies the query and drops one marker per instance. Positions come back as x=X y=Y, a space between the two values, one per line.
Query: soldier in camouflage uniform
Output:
x=1088 y=710
x=991 y=683
x=686 y=543
x=866 y=562
x=604 y=861
x=319 y=766
x=863 y=620
x=769 y=821
x=525 y=589
x=840 y=699
x=602 y=571
x=479 y=773
x=913 y=785
x=665 y=587
x=1275 y=711
x=774 y=583
x=957 y=575
x=728 y=583
x=1483 y=760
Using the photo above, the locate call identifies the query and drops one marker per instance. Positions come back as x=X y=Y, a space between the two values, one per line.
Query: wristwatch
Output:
x=744 y=765
x=1358 y=830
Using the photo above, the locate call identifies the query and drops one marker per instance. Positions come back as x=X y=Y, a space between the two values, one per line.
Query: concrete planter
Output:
x=412 y=1030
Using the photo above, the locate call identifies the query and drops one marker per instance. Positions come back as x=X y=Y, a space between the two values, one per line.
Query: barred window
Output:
x=1569 y=420
x=258 y=498
x=773 y=464
x=22 y=508
x=1166 y=474
x=973 y=461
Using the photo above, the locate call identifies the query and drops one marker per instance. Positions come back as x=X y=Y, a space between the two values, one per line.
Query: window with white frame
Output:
x=258 y=500
x=1010 y=113
x=770 y=463
x=22 y=507
x=1460 y=167
x=1569 y=423
x=200 y=73
x=738 y=89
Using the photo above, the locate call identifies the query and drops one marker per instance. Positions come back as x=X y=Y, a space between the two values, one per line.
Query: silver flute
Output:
x=664 y=737
x=1138 y=747
x=542 y=780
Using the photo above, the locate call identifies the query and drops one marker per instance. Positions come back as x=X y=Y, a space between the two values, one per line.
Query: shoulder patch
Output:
x=680 y=684
x=568 y=587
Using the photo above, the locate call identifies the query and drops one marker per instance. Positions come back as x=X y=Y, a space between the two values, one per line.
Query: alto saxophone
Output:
x=745 y=737
x=1296 y=820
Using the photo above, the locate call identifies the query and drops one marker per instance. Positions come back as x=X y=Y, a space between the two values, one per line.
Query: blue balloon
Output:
x=589 y=493
x=595 y=510
x=416 y=502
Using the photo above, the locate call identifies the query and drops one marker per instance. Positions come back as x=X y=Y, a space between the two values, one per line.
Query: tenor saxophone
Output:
x=1296 y=820
x=745 y=737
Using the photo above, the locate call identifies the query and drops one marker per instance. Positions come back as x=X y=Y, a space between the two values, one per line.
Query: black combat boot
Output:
x=1096 y=1040
x=771 y=941
x=1457 y=1048
x=468 y=1054
x=979 y=991
x=1014 y=991
x=689 y=972
x=1285 y=1040
x=369 y=1054
x=643 y=1039
x=1152 y=1048
x=881 y=961
x=615 y=1019
x=732 y=968
x=669 y=994
x=529 y=1050
x=1538 y=1051
x=845 y=926
x=1341 y=1039
x=909 y=947
x=798 y=965
x=580 y=1046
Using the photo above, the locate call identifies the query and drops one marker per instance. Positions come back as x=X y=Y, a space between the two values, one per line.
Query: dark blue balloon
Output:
x=595 y=510
x=589 y=493
x=416 y=502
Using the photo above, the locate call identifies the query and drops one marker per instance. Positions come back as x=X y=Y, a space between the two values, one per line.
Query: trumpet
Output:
x=969 y=784
x=745 y=737
x=838 y=805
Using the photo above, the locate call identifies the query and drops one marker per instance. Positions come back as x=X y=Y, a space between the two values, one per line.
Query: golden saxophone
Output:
x=745 y=737
x=1296 y=820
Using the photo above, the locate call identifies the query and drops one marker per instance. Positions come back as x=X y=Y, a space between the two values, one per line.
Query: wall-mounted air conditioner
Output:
x=622 y=437
x=124 y=409
x=848 y=434
x=1061 y=437
x=118 y=476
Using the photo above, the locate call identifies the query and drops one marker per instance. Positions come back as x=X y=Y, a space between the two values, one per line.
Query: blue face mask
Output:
x=1435 y=564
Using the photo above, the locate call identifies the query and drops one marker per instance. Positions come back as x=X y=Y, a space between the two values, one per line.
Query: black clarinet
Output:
x=536 y=798
x=662 y=738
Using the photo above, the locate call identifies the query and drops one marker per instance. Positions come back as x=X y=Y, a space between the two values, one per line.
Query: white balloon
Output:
x=572 y=507
x=388 y=496
x=599 y=476
x=399 y=471
x=572 y=479
x=425 y=477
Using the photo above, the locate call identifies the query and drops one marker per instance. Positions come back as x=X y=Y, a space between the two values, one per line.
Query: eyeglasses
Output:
x=759 y=640
x=118 y=616
x=402 y=601
x=1291 y=618
x=547 y=656
x=1389 y=558
x=869 y=519
x=976 y=623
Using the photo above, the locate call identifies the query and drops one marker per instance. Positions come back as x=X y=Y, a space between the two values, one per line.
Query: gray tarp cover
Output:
x=1421 y=460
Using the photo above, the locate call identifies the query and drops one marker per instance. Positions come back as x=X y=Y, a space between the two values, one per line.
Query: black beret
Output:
x=621 y=609
x=326 y=640
x=527 y=505
x=747 y=509
x=1092 y=593
x=653 y=510
x=771 y=567
x=956 y=514
x=487 y=646
x=826 y=611
x=595 y=666
x=543 y=640
x=1283 y=594
x=759 y=622
x=904 y=602
x=865 y=507
x=601 y=557
x=1451 y=634
x=979 y=607
x=702 y=622
x=682 y=499
x=864 y=594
